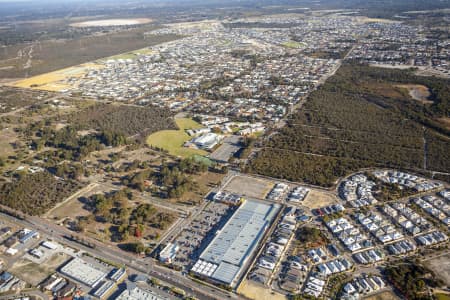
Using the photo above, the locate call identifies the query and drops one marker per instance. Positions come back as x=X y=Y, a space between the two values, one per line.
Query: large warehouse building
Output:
x=227 y=255
x=83 y=272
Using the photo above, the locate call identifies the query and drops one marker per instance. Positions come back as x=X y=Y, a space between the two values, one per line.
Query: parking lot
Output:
x=229 y=147
x=200 y=231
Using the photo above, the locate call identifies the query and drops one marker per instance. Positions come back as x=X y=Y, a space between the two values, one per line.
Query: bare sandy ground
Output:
x=441 y=267
x=112 y=22
x=417 y=92
x=258 y=292
x=387 y=295
x=445 y=121
x=317 y=199
x=34 y=273
x=249 y=186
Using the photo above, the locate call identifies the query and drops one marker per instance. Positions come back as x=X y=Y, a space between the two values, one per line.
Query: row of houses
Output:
x=380 y=227
x=401 y=247
x=407 y=218
x=435 y=207
x=277 y=191
x=357 y=191
x=298 y=194
x=334 y=266
x=432 y=238
x=279 y=240
x=411 y=181
x=369 y=256
x=353 y=239
x=363 y=285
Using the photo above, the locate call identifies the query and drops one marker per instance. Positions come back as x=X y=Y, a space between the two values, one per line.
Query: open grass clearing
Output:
x=364 y=19
x=74 y=207
x=173 y=140
x=293 y=44
x=205 y=181
x=129 y=55
x=442 y=296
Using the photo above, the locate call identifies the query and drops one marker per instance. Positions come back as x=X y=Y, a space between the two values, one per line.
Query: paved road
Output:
x=134 y=263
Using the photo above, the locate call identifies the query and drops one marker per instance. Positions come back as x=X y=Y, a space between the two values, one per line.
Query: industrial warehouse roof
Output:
x=238 y=238
x=226 y=272
x=83 y=272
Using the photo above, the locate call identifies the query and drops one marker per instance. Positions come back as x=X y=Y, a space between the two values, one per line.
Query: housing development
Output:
x=229 y=150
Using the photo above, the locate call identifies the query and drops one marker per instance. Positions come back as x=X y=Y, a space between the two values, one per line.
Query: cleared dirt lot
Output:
x=74 y=207
x=205 y=181
x=388 y=295
x=316 y=199
x=258 y=292
x=417 y=92
x=441 y=267
x=249 y=186
x=35 y=273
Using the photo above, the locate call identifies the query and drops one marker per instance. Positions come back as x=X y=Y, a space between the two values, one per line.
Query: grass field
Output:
x=293 y=44
x=53 y=81
x=173 y=140
x=130 y=55
x=442 y=296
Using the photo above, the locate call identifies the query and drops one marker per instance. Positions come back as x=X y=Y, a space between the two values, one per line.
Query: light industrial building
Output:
x=206 y=141
x=227 y=255
x=133 y=292
x=83 y=272
x=105 y=290
x=168 y=253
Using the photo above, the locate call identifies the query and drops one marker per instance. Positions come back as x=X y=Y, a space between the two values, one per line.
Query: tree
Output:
x=139 y=247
